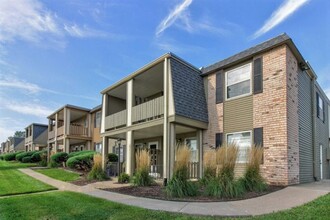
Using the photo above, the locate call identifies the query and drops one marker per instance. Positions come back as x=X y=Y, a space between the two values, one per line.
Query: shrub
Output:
x=81 y=162
x=53 y=164
x=142 y=177
x=37 y=156
x=123 y=178
x=112 y=157
x=21 y=155
x=97 y=172
x=225 y=185
x=26 y=159
x=78 y=153
x=2 y=157
x=179 y=185
x=11 y=156
x=43 y=158
x=210 y=167
x=252 y=179
x=59 y=158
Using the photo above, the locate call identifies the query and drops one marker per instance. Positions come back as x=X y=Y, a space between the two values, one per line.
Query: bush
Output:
x=81 y=162
x=179 y=185
x=43 y=158
x=252 y=179
x=59 y=157
x=112 y=157
x=20 y=156
x=78 y=153
x=2 y=157
x=123 y=178
x=210 y=167
x=11 y=156
x=53 y=164
x=37 y=156
x=225 y=185
x=26 y=159
x=97 y=172
x=142 y=177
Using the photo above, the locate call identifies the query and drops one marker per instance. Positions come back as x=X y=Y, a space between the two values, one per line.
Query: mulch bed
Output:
x=158 y=192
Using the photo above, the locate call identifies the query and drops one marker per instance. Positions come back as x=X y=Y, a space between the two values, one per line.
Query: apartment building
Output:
x=15 y=144
x=266 y=95
x=96 y=114
x=71 y=128
x=36 y=137
x=3 y=147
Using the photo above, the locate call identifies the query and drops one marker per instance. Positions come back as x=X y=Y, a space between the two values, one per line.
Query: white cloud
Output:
x=12 y=82
x=31 y=21
x=173 y=16
x=278 y=16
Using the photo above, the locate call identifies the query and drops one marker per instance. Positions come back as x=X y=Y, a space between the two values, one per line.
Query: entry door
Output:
x=153 y=157
x=321 y=162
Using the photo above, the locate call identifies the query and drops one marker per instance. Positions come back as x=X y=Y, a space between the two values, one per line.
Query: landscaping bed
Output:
x=157 y=191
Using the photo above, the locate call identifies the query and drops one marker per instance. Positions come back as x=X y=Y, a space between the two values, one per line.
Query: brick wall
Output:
x=292 y=114
x=215 y=112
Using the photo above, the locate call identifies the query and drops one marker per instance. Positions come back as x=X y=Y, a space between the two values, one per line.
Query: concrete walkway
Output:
x=287 y=198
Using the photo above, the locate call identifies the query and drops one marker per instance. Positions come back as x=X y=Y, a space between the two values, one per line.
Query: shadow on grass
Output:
x=29 y=192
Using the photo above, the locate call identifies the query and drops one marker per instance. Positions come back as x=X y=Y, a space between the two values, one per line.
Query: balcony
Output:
x=28 y=139
x=147 y=111
x=51 y=134
x=78 y=130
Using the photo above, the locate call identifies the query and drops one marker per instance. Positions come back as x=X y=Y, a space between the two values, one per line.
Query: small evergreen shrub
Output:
x=97 y=172
x=142 y=177
x=59 y=158
x=11 y=156
x=123 y=178
x=53 y=164
x=20 y=156
x=26 y=159
x=78 y=153
x=81 y=162
x=179 y=185
x=2 y=157
x=112 y=157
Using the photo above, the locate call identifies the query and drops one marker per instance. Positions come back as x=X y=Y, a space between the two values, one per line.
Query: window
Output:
x=320 y=107
x=243 y=142
x=238 y=81
x=192 y=144
x=98 y=147
x=97 y=120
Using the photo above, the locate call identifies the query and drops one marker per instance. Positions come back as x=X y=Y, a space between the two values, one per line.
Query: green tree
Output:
x=20 y=134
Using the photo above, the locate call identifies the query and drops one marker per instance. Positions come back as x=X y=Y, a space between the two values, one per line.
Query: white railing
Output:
x=116 y=120
x=149 y=110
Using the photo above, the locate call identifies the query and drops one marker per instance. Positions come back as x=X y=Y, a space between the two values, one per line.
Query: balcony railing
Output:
x=78 y=129
x=28 y=139
x=118 y=119
x=60 y=131
x=51 y=134
x=148 y=111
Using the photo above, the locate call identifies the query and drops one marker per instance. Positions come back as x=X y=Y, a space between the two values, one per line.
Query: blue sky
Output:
x=58 y=52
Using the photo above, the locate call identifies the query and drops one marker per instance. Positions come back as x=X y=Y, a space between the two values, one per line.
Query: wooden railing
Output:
x=148 y=111
x=78 y=129
x=60 y=131
x=28 y=139
x=118 y=119
x=51 y=134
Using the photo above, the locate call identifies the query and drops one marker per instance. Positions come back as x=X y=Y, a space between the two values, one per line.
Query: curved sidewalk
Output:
x=287 y=198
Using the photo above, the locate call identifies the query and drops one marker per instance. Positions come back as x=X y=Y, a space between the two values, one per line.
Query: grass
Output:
x=59 y=174
x=69 y=205
x=15 y=182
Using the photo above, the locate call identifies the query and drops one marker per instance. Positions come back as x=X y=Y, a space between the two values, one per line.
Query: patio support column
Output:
x=55 y=129
x=66 y=142
x=172 y=148
x=89 y=144
x=199 y=135
x=66 y=121
x=48 y=152
x=105 y=149
x=129 y=152
x=166 y=126
x=104 y=111
x=129 y=101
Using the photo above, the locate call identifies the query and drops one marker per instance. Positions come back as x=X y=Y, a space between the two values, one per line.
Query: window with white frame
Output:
x=243 y=142
x=98 y=147
x=238 y=81
x=97 y=120
x=192 y=144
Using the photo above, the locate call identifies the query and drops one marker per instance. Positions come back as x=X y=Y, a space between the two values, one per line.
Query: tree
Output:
x=20 y=134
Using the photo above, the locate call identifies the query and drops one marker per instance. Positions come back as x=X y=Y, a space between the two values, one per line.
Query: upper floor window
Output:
x=238 y=81
x=97 y=120
x=320 y=107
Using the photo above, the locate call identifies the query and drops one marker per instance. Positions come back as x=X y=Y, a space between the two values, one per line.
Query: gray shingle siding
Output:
x=305 y=128
x=188 y=92
x=37 y=130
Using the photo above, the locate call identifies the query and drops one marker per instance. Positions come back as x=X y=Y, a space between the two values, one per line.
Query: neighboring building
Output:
x=16 y=144
x=3 y=147
x=265 y=95
x=36 y=137
x=71 y=128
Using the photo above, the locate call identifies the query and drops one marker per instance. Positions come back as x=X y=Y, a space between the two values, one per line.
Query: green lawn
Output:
x=59 y=174
x=68 y=205
x=12 y=181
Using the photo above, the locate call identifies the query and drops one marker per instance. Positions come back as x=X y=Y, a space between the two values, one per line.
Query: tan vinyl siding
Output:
x=238 y=114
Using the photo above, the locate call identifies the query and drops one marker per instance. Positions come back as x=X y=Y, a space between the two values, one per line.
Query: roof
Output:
x=146 y=67
x=253 y=51
x=37 y=124
x=99 y=107
x=70 y=106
